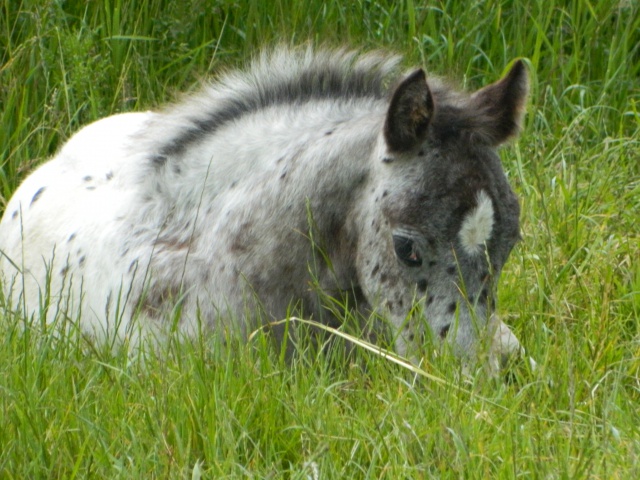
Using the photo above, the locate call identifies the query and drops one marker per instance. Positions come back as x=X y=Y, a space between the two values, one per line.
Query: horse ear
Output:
x=409 y=114
x=501 y=105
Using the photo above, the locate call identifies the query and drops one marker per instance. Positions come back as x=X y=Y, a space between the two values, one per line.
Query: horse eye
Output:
x=406 y=251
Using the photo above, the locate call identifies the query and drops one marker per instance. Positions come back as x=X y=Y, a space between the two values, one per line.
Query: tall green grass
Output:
x=69 y=409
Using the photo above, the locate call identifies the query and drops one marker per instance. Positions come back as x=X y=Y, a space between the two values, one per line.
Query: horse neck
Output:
x=320 y=155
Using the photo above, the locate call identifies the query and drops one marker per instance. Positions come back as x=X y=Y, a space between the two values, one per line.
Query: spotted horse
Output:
x=207 y=205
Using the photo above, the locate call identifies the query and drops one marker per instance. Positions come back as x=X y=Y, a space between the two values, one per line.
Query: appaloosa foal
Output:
x=209 y=205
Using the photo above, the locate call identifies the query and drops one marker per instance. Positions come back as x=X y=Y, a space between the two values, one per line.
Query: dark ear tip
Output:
x=418 y=74
x=519 y=65
x=520 y=72
x=416 y=77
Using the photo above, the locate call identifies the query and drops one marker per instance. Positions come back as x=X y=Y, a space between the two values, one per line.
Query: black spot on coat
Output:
x=37 y=195
x=444 y=331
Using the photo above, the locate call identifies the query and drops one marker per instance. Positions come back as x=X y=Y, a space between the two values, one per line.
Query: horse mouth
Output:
x=505 y=348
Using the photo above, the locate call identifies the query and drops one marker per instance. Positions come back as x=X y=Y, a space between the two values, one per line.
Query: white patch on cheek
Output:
x=477 y=226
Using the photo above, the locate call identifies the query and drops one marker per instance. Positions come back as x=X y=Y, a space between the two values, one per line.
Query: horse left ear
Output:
x=501 y=105
x=409 y=114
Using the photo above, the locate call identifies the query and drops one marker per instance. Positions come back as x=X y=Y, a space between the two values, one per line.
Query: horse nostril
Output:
x=444 y=331
x=484 y=296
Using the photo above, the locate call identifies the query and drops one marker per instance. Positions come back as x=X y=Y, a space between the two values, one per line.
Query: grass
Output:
x=69 y=409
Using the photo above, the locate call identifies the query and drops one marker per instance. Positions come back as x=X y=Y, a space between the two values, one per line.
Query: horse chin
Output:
x=505 y=348
x=502 y=352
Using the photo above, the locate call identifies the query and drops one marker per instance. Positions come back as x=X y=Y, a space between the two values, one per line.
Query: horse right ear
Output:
x=410 y=111
x=501 y=105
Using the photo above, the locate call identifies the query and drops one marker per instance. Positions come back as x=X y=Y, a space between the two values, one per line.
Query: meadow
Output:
x=70 y=408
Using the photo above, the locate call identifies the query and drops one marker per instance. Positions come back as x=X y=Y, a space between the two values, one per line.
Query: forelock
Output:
x=477 y=225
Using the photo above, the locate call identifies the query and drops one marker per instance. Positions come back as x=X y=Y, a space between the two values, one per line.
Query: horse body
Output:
x=305 y=170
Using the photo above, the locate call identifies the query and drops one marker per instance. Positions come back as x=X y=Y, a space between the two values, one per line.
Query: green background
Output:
x=70 y=409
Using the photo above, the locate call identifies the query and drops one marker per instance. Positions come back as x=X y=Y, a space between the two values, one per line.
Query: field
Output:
x=571 y=289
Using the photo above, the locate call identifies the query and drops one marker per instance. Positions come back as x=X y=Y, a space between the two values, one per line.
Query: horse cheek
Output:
x=383 y=284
